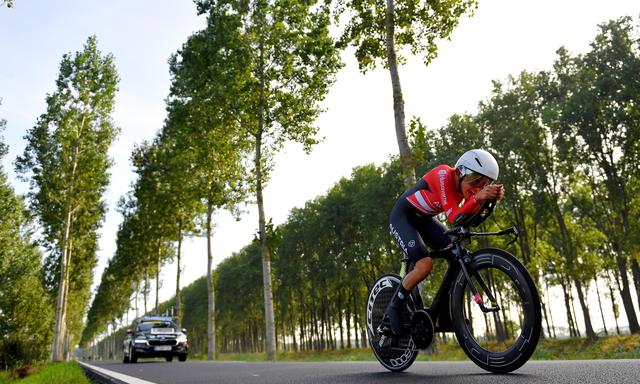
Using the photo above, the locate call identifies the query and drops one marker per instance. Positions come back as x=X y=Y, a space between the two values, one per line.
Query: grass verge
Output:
x=58 y=373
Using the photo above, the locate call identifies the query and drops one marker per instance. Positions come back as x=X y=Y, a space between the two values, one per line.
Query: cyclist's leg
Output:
x=432 y=232
x=403 y=230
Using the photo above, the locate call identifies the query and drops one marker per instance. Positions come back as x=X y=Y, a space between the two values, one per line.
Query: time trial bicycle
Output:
x=487 y=298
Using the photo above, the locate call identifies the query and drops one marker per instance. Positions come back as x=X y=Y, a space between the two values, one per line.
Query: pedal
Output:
x=384 y=330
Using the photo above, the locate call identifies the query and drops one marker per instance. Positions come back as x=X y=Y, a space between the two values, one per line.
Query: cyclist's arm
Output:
x=448 y=201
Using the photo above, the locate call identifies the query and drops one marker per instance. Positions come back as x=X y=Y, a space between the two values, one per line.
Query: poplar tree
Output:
x=294 y=61
x=206 y=107
x=381 y=30
x=66 y=163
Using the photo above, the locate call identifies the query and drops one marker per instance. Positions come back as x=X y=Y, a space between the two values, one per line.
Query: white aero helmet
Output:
x=479 y=161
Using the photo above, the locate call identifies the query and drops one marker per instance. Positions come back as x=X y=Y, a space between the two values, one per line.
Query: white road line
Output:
x=116 y=375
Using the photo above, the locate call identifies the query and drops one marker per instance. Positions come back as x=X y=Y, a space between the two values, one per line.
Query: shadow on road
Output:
x=417 y=377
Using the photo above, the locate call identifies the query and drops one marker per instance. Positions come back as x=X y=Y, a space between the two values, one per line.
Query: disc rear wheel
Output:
x=395 y=355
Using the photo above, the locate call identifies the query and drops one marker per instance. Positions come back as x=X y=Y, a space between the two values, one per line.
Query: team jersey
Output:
x=441 y=195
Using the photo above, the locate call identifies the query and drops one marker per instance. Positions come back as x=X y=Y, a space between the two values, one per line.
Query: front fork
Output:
x=461 y=255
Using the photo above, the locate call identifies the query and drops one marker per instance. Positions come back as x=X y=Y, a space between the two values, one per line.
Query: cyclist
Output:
x=413 y=223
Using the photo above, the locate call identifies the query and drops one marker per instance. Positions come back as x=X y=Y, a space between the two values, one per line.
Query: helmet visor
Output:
x=475 y=178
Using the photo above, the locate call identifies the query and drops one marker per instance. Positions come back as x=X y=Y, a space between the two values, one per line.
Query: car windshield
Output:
x=146 y=327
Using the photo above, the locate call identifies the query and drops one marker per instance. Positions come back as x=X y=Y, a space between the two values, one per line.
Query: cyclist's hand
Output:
x=490 y=192
x=500 y=194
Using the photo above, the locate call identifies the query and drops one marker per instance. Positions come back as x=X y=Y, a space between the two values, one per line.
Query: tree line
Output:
x=567 y=142
x=253 y=79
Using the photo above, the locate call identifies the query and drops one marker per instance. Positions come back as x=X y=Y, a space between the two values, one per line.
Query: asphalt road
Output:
x=200 y=372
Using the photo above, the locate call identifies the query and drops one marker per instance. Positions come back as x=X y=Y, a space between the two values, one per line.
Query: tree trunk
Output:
x=573 y=311
x=292 y=327
x=60 y=326
x=591 y=335
x=145 y=294
x=570 y=255
x=500 y=328
x=178 y=303
x=614 y=306
x=211 y=304
x=136 y=299
x=398 y=101
x=264 y=246
x=314 y=326
x=546 y=319
x=158 y=263
x=355 y=322
x=340 y=326
x=348 y=321
x=301 y=319
x=604 y=324
x=567 y=305
x=635 y=272
x=553 y=327
x=282 y=323
x=625 y=292
x=323 y=329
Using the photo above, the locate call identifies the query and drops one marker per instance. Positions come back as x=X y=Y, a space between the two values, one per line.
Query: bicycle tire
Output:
x=395 y=359
x=531 y=325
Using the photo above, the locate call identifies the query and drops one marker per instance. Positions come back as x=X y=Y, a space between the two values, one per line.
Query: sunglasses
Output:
x=475 y=178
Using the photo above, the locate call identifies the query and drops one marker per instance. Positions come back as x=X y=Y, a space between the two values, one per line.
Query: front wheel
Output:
x=503 y=340
x=398 y=356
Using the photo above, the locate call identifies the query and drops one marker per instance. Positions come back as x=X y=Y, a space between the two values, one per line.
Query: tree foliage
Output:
x=25 y=311
x=567 y=143
x=66 y=164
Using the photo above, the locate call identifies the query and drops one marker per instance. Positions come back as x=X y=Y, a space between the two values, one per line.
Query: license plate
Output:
x=162 y=348
x=162 y=330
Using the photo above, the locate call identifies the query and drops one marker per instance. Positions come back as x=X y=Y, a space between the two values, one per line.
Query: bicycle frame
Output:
x=458 y=258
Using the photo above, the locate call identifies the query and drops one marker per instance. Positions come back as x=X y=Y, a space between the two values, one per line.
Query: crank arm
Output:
x=403 y=349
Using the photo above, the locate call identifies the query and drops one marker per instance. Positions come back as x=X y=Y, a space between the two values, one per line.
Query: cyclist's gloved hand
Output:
x=490 y=192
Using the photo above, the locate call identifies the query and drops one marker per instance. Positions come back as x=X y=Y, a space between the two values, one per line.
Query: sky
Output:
x=503 y=38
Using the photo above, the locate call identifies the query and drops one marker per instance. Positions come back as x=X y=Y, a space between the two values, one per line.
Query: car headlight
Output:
x=181 y=338
x=141 y=341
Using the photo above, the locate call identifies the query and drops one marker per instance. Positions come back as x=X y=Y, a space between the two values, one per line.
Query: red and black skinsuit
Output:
x=413 y=221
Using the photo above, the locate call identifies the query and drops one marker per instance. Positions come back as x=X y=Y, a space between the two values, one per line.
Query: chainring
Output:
x=422 y=329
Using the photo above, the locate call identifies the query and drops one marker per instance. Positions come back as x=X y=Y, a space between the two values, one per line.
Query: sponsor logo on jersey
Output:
x=441 y=175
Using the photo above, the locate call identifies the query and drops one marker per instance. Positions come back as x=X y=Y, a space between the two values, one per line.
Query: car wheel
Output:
x=169 y=358
x=182 y=357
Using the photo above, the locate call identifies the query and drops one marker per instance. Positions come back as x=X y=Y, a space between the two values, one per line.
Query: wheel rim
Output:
x=518 y=318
